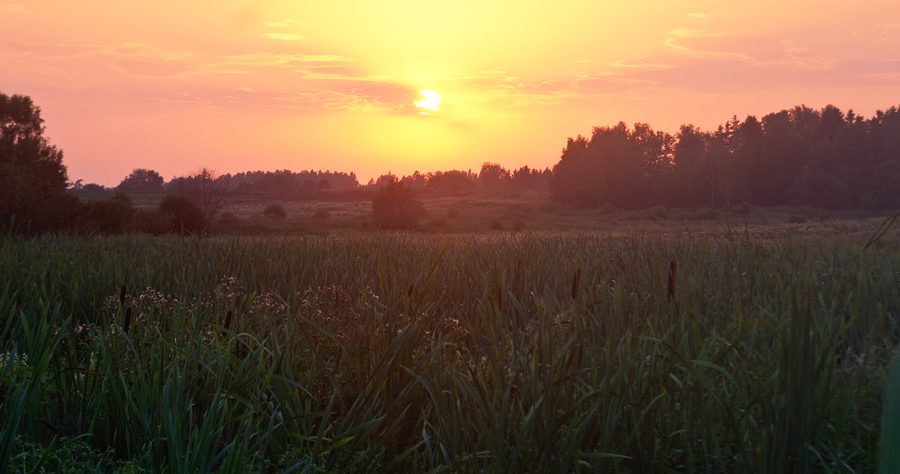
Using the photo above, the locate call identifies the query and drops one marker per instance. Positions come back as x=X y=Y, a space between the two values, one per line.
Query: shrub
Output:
x=275 y=211
x=395 y=206
x=151 y=221
x=453 y=213
x=321 y=214
x=796 y=219
x=607 y=209
x=497 y=224
x=109 y=216
x=186 y=216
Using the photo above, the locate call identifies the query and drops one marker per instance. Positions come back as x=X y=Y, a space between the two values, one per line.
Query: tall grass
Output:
x=397 y=353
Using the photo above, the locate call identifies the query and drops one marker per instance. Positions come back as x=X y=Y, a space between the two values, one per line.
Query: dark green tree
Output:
x=109 y=216
x=33 y=195
x=395 y=206
x=142 y=180
x=185 y=215
x=492 y=175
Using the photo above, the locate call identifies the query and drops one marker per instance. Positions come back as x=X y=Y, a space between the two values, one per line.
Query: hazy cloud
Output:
x=281 y=24
x=377 y=98
x=12 y=8
x=694 y=33
x=698 y=15
x=285 y=36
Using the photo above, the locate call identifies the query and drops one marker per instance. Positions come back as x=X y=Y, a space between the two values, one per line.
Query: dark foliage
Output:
x=493 y=175
x=395 y=206
x=142 y=180
x=109 y=216
x=275 y=211
x=185 y=215
x=820 y=158
x=208 y=190
x=452 y=182
x=33 y=195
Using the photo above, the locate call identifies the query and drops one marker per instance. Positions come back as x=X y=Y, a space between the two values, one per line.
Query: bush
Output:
x=395 y=206
x=453 y=213
x=497 y=224
x=109 y=216
x=275 y=211
x=321 y=214
x=796 y=219
x=186 y=216
x=151 y=221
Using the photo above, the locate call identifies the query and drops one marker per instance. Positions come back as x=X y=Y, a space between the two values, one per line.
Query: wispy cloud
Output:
x=285 y=36
x=281 y=23
x=373 y=98
x=12 y=8
x=288 y=60
x=694 y=33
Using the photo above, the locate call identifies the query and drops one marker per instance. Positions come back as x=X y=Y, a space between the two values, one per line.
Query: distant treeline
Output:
x=492 y=175
x=822 y=158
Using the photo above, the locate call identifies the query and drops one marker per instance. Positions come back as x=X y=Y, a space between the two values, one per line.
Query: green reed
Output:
x=403 y=353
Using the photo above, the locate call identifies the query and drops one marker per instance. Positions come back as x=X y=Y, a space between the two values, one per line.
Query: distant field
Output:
x=658 y=346
x=495 y=212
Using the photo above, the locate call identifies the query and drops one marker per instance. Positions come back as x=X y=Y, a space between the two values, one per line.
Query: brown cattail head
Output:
x=127 y=320
x=673 y=266
x=228 y=319
x=122 y=294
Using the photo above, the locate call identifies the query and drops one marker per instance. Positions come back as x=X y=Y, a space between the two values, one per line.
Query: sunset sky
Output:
x=263 y=85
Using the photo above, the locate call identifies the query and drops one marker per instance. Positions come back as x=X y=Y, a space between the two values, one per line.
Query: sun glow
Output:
x=432 y=99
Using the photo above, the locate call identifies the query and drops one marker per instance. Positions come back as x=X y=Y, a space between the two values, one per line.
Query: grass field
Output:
x=725 y=345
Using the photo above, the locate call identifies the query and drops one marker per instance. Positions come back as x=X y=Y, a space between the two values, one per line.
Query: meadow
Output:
x=656 y=348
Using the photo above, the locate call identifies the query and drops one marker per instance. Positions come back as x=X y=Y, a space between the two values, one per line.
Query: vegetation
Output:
x=142 y=180
x=564 y=353
x=184 y=215
x=275 y=211
x=33 y=195
x=395 y=206
x=800 y=156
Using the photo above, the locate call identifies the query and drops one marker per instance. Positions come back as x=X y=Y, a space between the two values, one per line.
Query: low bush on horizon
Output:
x=409 y=353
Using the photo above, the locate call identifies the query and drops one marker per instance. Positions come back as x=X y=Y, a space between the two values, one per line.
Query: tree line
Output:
x=822 y=158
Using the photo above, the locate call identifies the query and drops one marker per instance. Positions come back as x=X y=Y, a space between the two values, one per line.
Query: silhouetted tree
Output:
x=451 y=182
x=205 y=189
x=395 y=206
x=142 y=180
x=493 y=175
x=33 y=195
x=109 y=216
x=618 y=166
x=184 y=214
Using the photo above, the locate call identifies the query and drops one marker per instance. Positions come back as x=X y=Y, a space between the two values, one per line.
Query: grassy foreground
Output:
x=404 y=353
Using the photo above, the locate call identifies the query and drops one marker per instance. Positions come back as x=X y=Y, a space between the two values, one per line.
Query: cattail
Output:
x=122 y=294
x=409 y=292
x=228 y=319
x=671 y=289
x=575 y=282
x=127 y=320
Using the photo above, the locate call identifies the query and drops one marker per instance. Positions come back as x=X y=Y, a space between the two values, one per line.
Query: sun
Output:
x=432 y=99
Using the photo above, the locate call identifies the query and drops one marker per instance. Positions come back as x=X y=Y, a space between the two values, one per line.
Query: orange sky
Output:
x=262 y=85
